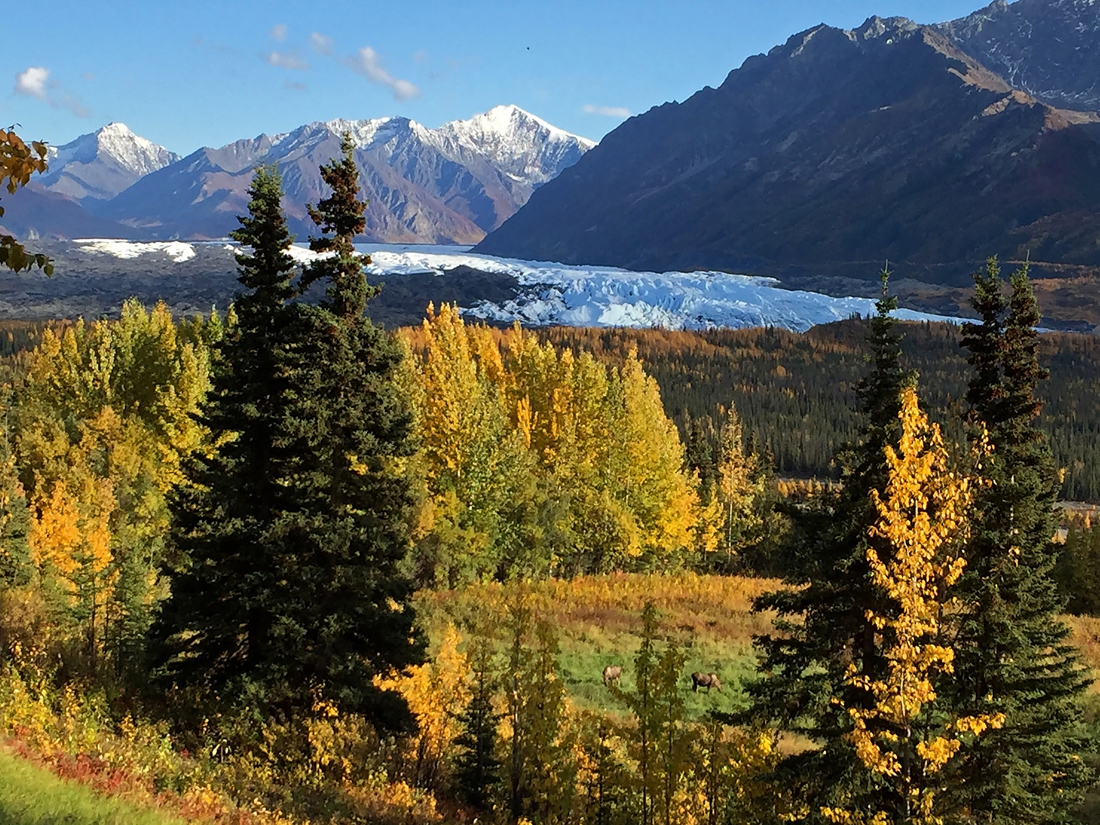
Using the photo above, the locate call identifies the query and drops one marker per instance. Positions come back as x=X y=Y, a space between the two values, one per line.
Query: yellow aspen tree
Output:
x=472 y=460
x=737 y=488
x=650 y=467
x=540 y=394
x=436 y=693
x=103 y=422
x=70 y=541
x=903 y=739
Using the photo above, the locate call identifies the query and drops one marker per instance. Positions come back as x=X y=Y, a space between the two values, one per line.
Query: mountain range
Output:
x=930 y=147
x=446 y=185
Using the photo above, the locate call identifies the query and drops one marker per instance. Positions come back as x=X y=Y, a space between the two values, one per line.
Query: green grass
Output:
x=30 y=795
x=598 y=623
x=583 y=659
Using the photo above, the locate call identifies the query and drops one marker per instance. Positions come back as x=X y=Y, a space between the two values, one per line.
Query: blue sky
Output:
x=199 y=72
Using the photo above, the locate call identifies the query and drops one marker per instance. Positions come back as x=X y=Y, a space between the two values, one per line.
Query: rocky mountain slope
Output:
x=34 y=212
x=1047 y=48
x=833 y=153
x=446 y=185
x=98 y=166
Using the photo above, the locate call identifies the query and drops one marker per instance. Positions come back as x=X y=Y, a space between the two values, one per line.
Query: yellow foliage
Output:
x=436 y=693
x=488 y=416
x=914 y=562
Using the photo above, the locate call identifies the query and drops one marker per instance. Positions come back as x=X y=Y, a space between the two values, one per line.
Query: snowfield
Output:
x=590 y=296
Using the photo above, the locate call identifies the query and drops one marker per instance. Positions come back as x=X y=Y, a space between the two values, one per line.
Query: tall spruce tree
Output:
x=1013 y=655
x=823 y=613
x=285 y=593
x=477 y=768
x=348 y=615
x=216 y=630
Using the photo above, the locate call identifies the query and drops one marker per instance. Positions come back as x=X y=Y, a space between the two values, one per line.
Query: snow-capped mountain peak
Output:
x=132 y=151
x=446 y=185
x=99 y=165
x=524 y=147
x=506 y=123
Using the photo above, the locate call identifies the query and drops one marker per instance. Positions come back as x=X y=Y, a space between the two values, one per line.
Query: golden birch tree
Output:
x=902 y=738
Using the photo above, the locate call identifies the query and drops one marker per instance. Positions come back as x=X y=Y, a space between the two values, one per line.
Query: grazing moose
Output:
x=611 y=673
x=707 y=680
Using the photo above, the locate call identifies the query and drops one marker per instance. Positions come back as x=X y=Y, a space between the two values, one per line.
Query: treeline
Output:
x=796 y=392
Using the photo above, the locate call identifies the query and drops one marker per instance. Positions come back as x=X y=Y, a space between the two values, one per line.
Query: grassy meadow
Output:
x=598 y=622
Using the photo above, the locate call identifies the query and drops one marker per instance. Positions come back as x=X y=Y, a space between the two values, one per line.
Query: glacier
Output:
x=553 y=294
x=550 y=294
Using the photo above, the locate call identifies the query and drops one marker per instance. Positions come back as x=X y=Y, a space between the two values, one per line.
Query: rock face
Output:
x=446 y=185
x=1047 y=48
x=838 y=149
x=98 y=166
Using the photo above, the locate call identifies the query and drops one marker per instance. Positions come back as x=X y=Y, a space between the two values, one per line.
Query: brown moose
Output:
x=707 y=680
x=611 y=673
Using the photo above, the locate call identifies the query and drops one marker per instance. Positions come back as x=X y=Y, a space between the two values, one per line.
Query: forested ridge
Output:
x=795 y=392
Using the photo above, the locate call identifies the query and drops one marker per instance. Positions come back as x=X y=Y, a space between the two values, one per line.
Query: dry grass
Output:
x=1086 y=638
x=717 y=606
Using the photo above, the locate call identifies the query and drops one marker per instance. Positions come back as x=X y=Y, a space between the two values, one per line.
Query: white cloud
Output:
x=278 y=32
x=606 y=111
x=320 y=44
x=35 y=82
x=421 y=56
x=367 y=63
x=286 y=60
x=32 y=82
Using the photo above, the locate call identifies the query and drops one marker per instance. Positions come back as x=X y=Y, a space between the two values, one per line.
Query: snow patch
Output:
x=176 y=251
x=593 y=296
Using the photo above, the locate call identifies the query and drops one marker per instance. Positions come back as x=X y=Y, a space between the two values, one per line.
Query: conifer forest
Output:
x=278 y=564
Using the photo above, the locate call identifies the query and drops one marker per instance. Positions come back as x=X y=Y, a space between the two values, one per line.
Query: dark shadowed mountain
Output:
x=34 y=212
x=446 y=185
x=834 y=152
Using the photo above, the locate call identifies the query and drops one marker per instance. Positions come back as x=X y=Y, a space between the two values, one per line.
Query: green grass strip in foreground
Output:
x=30 y=795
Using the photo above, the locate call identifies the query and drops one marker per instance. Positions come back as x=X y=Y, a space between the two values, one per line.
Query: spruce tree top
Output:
x=341 y=213
x=265 y=272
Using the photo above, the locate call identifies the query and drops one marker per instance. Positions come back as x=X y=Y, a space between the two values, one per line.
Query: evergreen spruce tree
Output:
x=216 y=629
x=16 y=568
x=348 y=616
x=822 y=616
x=1077 y=572
x=286 y=589
x=477 y=769
x=1013 y=654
